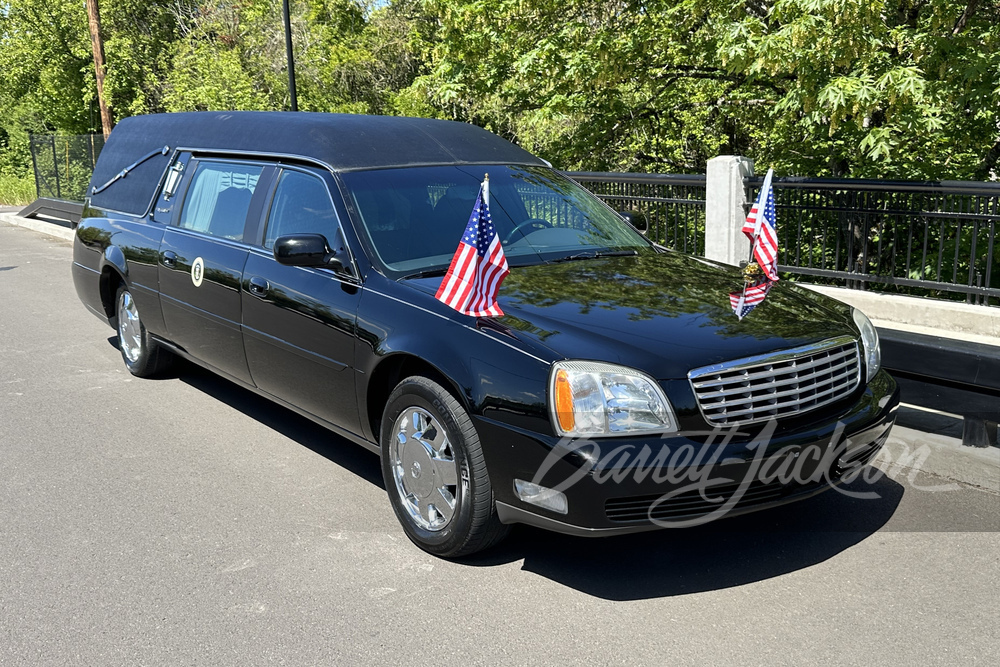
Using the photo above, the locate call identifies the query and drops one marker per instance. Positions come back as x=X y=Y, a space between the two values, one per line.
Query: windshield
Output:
x=415 y=217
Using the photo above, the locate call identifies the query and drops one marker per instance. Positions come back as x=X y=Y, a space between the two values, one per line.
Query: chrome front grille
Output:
x=783 y=383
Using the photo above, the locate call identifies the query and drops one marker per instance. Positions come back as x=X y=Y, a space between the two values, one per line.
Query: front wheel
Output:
x=435 y=473
x=142 y=356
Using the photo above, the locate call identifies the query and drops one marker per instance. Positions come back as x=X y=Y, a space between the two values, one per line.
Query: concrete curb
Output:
x=48 y=228
x=942 y=456
x=948 y=317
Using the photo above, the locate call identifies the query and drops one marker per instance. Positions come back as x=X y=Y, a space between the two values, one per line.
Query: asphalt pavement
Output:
x=188 y=521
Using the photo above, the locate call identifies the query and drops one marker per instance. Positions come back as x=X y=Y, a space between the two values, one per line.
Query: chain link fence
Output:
x=63 y=164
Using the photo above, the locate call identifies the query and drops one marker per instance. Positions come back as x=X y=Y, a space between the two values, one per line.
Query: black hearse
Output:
x=298 y=255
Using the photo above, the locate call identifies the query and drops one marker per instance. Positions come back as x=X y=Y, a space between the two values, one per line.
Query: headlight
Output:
x=869 y=340
x=594 y=398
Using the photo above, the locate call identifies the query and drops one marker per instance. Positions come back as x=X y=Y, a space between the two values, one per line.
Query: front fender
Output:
x=491 y=372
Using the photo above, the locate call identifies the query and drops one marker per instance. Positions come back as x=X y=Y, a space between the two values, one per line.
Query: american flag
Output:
x=745 y=301
x=478 y=267
x=761 y=228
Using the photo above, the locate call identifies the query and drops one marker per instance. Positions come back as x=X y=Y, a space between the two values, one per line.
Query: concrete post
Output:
x=724 y=214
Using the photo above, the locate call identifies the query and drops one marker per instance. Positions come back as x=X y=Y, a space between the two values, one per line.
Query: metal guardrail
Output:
x=924 y=239
x=674 y=204
x=70 y=211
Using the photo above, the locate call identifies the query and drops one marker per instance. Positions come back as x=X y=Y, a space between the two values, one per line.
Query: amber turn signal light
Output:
x=564 y=401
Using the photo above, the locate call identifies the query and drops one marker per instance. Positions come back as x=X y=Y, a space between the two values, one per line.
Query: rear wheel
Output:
x=142 y=355
x=435 y=473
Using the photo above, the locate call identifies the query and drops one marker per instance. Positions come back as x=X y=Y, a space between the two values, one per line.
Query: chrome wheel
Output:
x=423 y=467
x=129 y=327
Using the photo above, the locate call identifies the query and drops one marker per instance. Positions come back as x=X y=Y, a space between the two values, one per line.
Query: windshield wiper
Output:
x=427 y=273
x=593 y=255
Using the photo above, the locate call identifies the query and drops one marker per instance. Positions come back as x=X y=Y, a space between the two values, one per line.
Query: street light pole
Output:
x=289 y=57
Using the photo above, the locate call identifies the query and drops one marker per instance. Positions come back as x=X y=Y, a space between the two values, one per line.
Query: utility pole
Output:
x=94 y=18
x=288 y=56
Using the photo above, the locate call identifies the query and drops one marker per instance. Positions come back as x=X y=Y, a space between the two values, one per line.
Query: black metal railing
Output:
x=923 y=239
x=63 y=164
x=674 y=204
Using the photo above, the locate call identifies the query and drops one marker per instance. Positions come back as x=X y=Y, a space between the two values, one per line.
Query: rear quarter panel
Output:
x=108 y=243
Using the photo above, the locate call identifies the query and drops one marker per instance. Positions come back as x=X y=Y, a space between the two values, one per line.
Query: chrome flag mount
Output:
x=761 y=227
x=479 y=265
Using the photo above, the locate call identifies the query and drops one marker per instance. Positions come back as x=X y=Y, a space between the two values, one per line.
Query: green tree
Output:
x=890 y=88
x=230 y=56
x=46 y=74
x=358 y=56
x=900 y=88
x=862 y=88
x=139 y=44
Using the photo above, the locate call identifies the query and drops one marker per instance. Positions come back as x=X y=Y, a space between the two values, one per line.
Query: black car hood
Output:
x=664 y=314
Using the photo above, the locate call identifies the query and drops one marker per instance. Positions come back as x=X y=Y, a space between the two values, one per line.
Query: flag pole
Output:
x=486 y=190
x=743 y=300
x=757 y=222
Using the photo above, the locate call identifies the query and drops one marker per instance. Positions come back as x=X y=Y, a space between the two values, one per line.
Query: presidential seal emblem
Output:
x=197 y=271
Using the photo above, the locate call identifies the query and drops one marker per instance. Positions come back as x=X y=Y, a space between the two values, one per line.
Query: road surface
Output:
x=187 y=521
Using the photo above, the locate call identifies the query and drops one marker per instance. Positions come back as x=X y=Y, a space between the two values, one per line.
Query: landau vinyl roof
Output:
x=343 y=142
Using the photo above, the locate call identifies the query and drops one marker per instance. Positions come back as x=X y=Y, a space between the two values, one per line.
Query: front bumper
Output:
x=626 y=485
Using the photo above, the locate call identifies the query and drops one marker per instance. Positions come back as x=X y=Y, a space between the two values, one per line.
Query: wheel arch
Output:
x=392 y=370
x=114 y=270
x=110 y=280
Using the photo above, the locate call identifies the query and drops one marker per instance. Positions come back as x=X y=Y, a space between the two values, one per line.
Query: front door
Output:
x=202 y=256
x=299 y=323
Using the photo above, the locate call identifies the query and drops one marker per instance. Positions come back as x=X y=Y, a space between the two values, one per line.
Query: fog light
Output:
x=550 y=499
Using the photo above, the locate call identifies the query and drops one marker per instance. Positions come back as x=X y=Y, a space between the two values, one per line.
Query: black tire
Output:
x=473 y=524
x=142 y=355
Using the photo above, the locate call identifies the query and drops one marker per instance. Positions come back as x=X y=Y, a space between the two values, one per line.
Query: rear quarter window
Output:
x=218 y=199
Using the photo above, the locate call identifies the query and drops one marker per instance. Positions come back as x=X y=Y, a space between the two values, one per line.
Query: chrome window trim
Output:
x=208 y=237
x=209 y=153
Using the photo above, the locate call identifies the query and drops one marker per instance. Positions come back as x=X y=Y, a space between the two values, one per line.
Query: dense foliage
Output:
x=862 y=88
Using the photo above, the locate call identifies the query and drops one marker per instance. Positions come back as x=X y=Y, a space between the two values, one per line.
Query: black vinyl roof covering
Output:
x=344 y=142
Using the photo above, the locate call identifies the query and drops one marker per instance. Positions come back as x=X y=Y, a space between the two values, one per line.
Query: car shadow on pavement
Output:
x=309 y=434
x=722 y=554
x=350 y=456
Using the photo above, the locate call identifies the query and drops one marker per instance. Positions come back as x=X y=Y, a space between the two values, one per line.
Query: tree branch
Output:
x=989 y=162
x=960 y=24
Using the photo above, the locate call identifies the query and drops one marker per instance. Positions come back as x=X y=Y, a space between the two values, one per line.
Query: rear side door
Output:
x=299 y=322
x=202 y=256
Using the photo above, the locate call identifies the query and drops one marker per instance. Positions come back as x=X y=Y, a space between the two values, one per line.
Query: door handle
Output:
x=169 y=259
x=259 y=286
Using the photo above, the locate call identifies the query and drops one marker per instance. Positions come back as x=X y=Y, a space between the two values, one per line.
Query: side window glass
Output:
x=218 y=199
x=301 y=205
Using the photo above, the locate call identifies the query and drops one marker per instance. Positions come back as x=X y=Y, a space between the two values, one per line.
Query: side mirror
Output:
x=636 y=219
x=306 y=250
